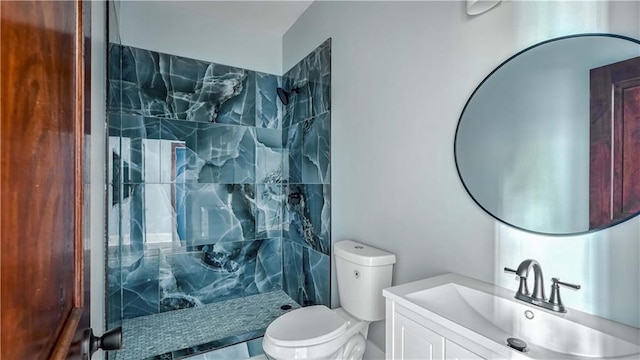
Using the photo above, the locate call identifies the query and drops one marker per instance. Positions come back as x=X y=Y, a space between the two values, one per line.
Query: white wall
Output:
x=203 y=30
x=401 y=74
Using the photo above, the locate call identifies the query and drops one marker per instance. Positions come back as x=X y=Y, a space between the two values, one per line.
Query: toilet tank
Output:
x=362 y=272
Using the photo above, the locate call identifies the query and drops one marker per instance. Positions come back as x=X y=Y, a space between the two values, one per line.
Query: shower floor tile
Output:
x=182 y=333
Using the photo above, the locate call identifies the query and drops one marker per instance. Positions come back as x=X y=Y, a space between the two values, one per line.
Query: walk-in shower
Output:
x=218 y=200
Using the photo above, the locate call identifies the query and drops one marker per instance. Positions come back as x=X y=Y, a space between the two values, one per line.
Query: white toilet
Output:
x=317 y=332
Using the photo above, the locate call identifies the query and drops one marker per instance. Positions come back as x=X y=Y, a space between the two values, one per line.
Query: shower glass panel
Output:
x=113 y=306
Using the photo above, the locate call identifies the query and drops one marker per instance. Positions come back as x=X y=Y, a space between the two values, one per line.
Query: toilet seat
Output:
x=306 y=326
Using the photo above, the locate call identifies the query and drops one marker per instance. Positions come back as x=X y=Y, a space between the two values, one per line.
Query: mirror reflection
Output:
x=547 y=141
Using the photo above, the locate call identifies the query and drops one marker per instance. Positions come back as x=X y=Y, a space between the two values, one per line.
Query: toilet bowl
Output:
x=317 y=332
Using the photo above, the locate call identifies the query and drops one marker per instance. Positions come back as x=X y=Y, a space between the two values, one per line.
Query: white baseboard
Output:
x=372 y=352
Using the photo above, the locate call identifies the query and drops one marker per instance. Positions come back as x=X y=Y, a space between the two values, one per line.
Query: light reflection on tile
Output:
x=218 y=213
x=269 y=210
x=221 y=271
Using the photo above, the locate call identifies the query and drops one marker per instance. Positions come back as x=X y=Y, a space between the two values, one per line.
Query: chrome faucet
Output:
x=537 y=297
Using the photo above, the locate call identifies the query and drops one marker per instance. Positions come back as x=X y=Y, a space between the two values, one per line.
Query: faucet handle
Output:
x=556 y=282
x=554 y=299
x=510 y=270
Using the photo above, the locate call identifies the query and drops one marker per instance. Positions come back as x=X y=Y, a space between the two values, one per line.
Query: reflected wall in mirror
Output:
x=548 y=142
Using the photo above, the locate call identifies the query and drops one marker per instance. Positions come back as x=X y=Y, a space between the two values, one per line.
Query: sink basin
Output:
x=492 y=313
x=503 y=318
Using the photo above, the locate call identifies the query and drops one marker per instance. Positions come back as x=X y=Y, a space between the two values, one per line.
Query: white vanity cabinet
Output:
x=452 y=316
x=410 y=336
x=414 y=341
x=454 y=351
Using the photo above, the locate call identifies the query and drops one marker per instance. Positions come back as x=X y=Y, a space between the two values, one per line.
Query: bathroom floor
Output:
x=183 y=333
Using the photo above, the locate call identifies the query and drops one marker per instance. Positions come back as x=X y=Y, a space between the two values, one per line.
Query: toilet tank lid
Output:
x=362 y=254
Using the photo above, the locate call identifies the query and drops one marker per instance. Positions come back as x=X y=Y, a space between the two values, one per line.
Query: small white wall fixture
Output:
x=477 y=7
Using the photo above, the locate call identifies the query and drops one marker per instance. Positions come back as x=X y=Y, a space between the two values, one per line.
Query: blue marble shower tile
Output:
x=127 y=70
x=269 y=210
x=170 y=86
x=172 y=293
x=140 y=286
x=140 y=148
x=316 y=150
x=317 y=273
x=115 y=125
x=294 y=146
x=319 y=209
x=114 y=96
x=268 y=108
x=306 y=275
x=219 y=213
x=319 y=67
x=139 y=127
x=292 y=270
x=179 y=130
x=285 y=166
x=268 y=273
x=300 y=103
x=124 y=97
x=310 y=83
x=217 y=272
x=197 y=95
x=114 y=62
x=269 y=156
x=307 y=214
x=227 y=152
x=179 y=162
x=183 y=75
x=132 y=214
x=144 y=65
x=240 y=109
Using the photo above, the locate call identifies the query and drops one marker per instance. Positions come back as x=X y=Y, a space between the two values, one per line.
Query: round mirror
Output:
x=549 y=142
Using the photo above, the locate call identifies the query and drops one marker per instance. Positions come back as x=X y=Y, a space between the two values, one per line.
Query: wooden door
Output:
x=614 y=169
x=41 y=179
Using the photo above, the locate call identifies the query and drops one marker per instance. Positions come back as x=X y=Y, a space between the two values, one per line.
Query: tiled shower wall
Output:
x=306 y=134
x=217 y=191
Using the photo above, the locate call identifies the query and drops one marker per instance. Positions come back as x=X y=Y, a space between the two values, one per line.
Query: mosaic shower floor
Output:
x=183 y=333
